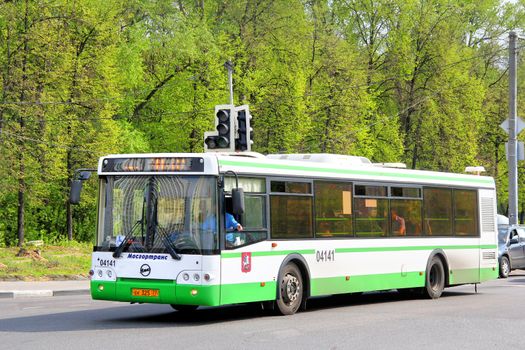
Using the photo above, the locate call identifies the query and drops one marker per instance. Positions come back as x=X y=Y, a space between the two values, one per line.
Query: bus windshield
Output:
x=158 y=214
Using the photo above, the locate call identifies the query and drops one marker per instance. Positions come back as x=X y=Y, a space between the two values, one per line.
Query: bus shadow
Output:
x=127 y=317
x=158 y=316
x=389 y=296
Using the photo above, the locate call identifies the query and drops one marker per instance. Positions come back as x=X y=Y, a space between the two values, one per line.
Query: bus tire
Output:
x=504 y=267
x=434 y=278
x=184 y=308
x=291 y=289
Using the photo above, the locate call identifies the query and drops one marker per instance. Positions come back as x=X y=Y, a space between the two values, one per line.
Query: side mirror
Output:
x=514 y=240
x=74 y=194
x=76 y=185
x=238 y=201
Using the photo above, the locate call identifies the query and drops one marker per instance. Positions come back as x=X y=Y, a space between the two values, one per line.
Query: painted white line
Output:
x=32 y=293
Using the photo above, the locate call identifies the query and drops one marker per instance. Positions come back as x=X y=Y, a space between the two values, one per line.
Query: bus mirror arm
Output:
x=79 y=177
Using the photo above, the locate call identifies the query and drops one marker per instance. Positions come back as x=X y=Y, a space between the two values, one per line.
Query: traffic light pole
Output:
x=233 y=131
x=229 y=66
x=513 y=148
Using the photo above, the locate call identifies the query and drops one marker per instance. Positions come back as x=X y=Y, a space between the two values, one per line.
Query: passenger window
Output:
x=369 y=190
x=406 y=192
x=371 y=217
x=291 y=216
x=248 y=184
x=291 y=187
x=254 y=218
x=255 y=212
x=465 y=213
x=333 y=209
x=437 y=203
x=405 y=217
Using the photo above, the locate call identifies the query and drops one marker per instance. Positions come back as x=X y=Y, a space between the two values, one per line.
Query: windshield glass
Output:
x=158 y=214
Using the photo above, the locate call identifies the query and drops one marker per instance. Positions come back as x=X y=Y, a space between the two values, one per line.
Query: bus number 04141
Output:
x=325 y=255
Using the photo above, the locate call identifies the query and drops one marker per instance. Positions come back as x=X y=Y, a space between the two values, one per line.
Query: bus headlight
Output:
x=185 y=276
x=196 y=277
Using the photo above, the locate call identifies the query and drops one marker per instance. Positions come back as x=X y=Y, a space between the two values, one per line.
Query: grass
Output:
x=64 y=261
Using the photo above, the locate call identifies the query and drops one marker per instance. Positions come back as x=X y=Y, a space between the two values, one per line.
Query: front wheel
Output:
x=435 y=279
x=291 y=288
x=504 y=267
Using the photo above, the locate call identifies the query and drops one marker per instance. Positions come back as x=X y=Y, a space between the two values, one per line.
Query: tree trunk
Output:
x=21 y=175
x=21 y=202
x=69 y=221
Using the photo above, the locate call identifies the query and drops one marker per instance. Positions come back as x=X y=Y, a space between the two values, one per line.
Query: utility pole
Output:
x=513 y=149
x=229 y=66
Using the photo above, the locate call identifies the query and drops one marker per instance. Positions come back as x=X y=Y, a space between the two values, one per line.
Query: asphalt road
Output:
x=460 y=319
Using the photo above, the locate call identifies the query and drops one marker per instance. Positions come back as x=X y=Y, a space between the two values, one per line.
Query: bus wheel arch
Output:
x=289 y=263
x=436 y=274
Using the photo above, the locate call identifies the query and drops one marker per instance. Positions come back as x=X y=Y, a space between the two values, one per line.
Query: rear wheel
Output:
x=504 y=267
x=291 y=289
x=184 y=308
x=435 y=279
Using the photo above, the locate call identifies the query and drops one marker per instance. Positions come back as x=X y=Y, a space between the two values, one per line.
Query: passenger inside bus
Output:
x=232 y=225
x=398 y=224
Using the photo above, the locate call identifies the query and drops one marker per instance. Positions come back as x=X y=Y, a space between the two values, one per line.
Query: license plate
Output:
x=139 y=292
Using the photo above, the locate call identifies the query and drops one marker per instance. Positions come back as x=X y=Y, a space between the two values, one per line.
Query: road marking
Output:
x=509 y=285
x=32 y=293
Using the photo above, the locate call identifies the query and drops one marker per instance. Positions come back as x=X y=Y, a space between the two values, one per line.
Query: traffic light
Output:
x=245 y=132
x=222 y=140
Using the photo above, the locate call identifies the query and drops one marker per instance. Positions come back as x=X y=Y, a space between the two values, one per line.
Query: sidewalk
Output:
x=43 y=289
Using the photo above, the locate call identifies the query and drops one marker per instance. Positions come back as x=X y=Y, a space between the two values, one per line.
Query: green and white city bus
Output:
x=313 y=224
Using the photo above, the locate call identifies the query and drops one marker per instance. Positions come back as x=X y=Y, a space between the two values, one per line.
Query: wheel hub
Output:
x=505 y=267
x=434 y=278
x=291 y=288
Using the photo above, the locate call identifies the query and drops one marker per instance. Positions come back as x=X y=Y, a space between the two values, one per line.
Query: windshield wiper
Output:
x=168 y=243
x=127 y=241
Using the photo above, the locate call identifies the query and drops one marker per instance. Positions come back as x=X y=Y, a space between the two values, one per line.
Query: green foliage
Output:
x=64 y=260
x=422 y=82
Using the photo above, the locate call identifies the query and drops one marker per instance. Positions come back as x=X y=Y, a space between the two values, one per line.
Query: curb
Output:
x=42 y=293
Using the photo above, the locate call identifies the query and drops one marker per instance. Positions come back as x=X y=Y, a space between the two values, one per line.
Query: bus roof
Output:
x=345 y=167
x=305 y=165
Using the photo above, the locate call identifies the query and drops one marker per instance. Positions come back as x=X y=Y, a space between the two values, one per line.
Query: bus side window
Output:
x=254 y=218
x=437 y=206
x=333 y=209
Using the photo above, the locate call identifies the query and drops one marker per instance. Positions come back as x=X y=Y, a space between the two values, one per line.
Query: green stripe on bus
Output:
x=386 y=281
x=393 y=249
x=248 y=292
x=365 y=283
x=270 y=253
x=358 y=250
x=487 y=274
x=480 y=180
x=472 y=275
x=169 y=292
